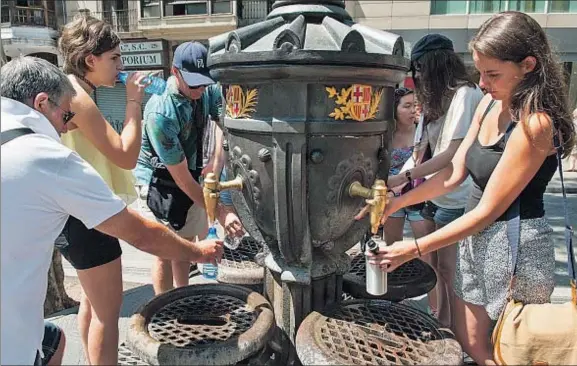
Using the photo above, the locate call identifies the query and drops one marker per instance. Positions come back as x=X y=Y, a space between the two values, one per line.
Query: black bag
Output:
x=165 y=199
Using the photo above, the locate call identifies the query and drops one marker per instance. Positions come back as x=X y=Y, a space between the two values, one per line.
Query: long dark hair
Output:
x=442 y=72
x=513 y=36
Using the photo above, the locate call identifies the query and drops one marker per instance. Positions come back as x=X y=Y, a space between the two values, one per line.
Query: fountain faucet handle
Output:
x=211 y=191
x=376 y=197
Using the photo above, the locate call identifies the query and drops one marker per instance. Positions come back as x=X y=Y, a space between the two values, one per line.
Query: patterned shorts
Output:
x=484 y=266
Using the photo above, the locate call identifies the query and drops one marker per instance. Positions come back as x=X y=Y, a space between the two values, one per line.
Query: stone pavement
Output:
x=137 y=264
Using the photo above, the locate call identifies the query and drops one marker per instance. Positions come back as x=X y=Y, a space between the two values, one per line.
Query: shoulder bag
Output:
x=538 y=334
x=165 y=198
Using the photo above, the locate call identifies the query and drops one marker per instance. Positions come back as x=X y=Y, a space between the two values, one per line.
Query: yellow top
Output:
x=119 y=180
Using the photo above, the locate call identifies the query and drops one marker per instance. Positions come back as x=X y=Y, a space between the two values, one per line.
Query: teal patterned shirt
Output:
x=169 y=126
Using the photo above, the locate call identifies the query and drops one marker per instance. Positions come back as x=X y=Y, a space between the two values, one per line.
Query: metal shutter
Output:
x=112 y=104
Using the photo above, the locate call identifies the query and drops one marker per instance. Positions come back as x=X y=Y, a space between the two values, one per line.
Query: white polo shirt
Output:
x=43 y=182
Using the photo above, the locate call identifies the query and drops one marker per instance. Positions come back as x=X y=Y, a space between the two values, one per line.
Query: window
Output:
x=185 y=7
x=562 y=6
x=486 y=7
x=221 y=7
x=448 y=7
x=527 y=6
x=150 y=8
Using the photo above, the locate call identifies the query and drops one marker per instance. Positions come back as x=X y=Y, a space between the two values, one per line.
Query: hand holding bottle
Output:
x=150 y=84
x=135 y=84
x=210 y=249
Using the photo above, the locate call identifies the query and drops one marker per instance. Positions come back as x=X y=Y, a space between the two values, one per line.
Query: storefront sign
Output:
x=144 y=59
x=141 y=47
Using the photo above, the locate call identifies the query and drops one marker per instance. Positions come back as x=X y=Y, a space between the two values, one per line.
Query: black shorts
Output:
x=50 y=343
x=87 y=248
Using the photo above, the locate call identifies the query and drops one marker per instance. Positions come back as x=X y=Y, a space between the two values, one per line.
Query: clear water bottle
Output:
x=209 y=270
x=157 y=85
x=233 y=242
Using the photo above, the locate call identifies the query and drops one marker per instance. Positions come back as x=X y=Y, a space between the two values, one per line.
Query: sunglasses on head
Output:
x=66 y=115
x=401 y=92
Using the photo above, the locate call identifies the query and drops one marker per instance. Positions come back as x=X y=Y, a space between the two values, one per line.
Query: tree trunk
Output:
x=56 y=297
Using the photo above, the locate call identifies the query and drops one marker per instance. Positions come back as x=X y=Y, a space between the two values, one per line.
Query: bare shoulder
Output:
x=82 y=98
x=481 y=107
x=538 y=128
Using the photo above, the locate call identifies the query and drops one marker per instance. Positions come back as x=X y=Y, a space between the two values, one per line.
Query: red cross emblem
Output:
x=234 y=100
x=361 y=98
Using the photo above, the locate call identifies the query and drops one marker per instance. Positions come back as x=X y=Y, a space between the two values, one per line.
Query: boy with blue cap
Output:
x=171 y=158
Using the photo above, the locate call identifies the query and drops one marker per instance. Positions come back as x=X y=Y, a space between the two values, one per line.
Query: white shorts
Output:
x=196 y=219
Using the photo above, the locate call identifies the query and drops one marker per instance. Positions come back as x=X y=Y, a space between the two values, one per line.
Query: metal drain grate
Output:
x=127 y=358
x=243 y=256
x=378 y=332
x=201 y=320
x=406 y=273
x=411 y=279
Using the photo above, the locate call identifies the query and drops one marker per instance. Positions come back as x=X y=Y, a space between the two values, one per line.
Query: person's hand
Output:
x=396 y=180
x=391 y=257
x=135 y=86
x=391 y=207
x=230 y=221
x=210 y=250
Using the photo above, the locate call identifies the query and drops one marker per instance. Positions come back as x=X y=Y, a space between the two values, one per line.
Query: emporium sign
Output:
x=142 y=54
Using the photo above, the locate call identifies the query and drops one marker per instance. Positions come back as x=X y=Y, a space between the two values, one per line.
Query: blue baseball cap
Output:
x=190 y=59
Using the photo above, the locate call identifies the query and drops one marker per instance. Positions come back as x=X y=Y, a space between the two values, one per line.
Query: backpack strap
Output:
x=9 y=135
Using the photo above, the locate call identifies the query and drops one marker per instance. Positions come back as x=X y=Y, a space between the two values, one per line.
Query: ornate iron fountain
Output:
x=309 y=116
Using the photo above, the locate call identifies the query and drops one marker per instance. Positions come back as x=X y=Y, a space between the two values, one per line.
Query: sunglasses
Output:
x=66 y=115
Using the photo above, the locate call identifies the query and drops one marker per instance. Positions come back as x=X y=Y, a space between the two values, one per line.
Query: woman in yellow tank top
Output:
x=92 y=59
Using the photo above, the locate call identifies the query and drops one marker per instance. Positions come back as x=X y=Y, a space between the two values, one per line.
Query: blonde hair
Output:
x=84 y=36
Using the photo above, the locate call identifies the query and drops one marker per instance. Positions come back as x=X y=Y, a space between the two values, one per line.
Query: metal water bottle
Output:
x=376 y=277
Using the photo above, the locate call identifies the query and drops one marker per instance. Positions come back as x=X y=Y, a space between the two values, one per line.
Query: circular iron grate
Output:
x=375 y=332
x=243 y=256
x=239 y=266
x=208 y=324
x=201 y=320
x=411 y=279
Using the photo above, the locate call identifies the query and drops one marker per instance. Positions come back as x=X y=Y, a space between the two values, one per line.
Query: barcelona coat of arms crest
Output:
x=357 y=102
x=240 y=104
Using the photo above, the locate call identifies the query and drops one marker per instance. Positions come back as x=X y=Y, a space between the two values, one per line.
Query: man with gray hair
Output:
x=43 y=183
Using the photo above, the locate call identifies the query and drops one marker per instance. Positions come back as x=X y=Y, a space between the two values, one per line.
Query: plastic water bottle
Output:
x=209 y=270
x=157 y=85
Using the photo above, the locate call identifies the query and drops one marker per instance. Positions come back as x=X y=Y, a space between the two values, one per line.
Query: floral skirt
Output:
x=484 y=266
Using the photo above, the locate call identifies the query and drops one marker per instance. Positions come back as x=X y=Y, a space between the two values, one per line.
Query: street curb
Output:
x=569 y=189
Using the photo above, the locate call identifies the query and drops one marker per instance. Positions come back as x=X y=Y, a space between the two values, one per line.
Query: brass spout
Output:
x=211 y=191
x=376 y=197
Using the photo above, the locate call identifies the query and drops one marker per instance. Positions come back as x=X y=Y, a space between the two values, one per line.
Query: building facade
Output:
x=151 y=29
x=30 y=27
x=460 y=19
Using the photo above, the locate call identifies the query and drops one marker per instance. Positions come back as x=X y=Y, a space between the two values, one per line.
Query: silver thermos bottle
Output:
x=376 y=277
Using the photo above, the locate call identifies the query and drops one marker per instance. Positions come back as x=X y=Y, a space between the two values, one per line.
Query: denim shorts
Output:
x=411 y=215
x=439 y=215
x=50 y=343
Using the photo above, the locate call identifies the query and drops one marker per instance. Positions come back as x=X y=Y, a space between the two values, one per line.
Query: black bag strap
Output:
x=9 y=135
x=514 y=220
x=199 y=125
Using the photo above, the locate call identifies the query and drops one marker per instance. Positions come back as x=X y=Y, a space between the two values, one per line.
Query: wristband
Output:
x=408 y=175
x=418 y=249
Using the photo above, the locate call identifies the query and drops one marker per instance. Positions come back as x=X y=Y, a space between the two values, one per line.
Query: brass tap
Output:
x=211 y=191
x=376 y=197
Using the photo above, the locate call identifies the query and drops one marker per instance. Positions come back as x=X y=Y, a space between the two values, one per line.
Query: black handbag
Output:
x=165 y=199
